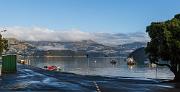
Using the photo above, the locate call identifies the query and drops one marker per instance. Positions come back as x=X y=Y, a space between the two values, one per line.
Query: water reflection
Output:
x=0 y=69
x=131 y=66
x=102 y=66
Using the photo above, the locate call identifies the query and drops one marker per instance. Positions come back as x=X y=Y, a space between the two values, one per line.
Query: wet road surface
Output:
x=30 y=78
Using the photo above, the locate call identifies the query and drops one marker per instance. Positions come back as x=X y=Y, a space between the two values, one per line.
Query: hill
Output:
x=77 y=48
x=139 y=55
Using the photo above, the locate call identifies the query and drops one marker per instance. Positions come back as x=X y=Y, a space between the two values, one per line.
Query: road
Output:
x=30 y=78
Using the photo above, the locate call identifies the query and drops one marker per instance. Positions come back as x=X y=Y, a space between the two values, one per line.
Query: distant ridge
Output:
x=76 y=48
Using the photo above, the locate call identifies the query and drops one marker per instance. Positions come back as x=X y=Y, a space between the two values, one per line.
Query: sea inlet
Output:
x=87 y=75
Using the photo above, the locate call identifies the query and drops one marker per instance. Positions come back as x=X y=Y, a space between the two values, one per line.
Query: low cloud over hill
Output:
x=44 y=34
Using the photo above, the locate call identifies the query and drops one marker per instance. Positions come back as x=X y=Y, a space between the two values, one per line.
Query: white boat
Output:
x=24 y=61
x=131 y=61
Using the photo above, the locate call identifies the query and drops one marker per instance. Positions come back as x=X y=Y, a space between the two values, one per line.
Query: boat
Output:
x=22 y=61
x=152 y=65
x=94 y=61
x=131 y=61
x=113 y=62
x=52 y=68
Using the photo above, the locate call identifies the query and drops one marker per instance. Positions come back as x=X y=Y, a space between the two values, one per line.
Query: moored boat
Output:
x=131 y=61
x=113 y=62
x=52 y=68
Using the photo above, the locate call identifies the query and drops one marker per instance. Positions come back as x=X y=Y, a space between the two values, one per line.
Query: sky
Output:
x=110 y=16
x=104 y=21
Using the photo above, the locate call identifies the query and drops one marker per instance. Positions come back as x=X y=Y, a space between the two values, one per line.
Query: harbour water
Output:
x=121 y=77
x=102 y=67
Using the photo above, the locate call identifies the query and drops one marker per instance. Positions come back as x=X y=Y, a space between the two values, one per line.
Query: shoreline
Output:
x=77 y=56
x=29 y=78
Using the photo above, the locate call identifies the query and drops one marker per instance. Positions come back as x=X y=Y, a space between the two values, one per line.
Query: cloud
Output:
x=116 y=39
x=44 y=34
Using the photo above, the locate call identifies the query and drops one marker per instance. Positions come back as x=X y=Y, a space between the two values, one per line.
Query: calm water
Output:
x=102 y=66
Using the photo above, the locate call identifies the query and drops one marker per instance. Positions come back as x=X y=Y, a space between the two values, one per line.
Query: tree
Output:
x=164 y=46
x=3 y=44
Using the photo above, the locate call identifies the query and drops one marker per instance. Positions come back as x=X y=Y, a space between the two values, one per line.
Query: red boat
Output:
x=51 y=68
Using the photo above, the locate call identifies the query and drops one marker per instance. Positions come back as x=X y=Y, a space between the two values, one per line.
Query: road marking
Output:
x=97 y=87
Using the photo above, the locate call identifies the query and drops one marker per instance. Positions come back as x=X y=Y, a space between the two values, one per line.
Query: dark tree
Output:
x=164 y=46
x=3 y=44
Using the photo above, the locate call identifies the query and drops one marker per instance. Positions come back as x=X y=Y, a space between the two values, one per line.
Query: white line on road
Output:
x=97 y=87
